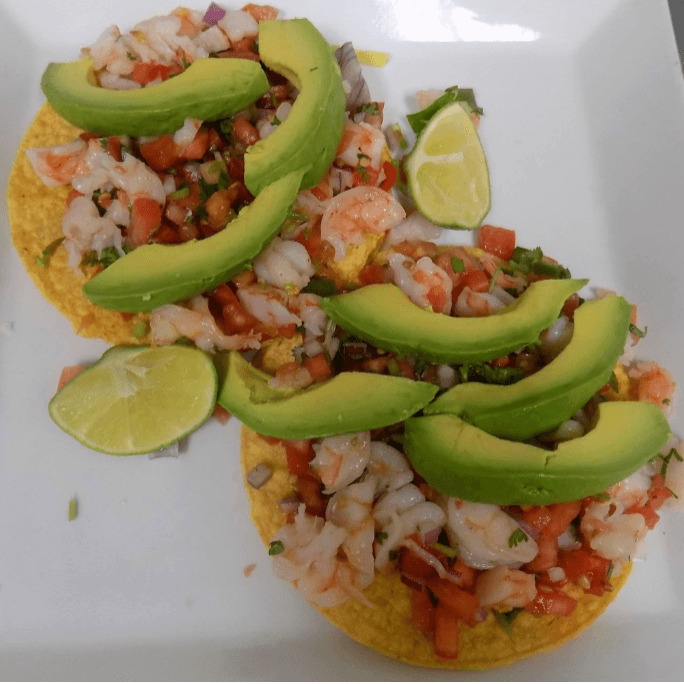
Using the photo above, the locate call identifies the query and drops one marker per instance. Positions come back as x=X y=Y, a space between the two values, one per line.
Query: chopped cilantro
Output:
x=505 y=620
x=393 y=555
x=362 y=171
x=183 y=191
x=73 y=509
x=103 y=143
x=130 y=56
x=602 y=496
x=613 y=382
x=275 y=547
x=490 y=375
x=492 y=282
x=551 y=270
x=323 y=287
x=418 y=120
x=275 y=121
x=635 y=331
x=369 y=108
x=380 y=537
x=457 y=265
x=516 y=538
x=673 y=453
x=43 y=257
x=399 y=135
x=139 y=330
x=393 y=367
x=446 y=550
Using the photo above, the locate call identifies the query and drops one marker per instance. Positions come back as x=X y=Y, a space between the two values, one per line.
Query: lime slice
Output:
x=137 y=399
x=447 y=171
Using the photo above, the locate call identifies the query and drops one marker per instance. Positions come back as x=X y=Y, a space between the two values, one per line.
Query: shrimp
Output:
x=285 y=264
x=611 y=532
x=238 y=25
x=505 y=587
x=341 y=460
x=310 y=561
x=674 y=477
x=360 y=141
x=482 y=533
x=85 y=230
x=350 y=508
x=653 y=384
x=356 y=213
x=633 y=490
x=171 y=322
x=389 y=466
x=414 y=228
x=57 y=165
x=471 y=303
x=186 y=134
x=425 y=284
x=556 y=338
x=269 y=305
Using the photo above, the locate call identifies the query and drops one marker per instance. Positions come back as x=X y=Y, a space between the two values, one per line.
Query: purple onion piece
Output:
x=431 y=536
x=259 y=475
x=481 y=615
x=289 y=505
x=527 y=528
x=213 y=14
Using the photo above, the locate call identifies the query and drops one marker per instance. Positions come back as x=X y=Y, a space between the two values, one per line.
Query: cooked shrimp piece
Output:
x=356 y=213
x=311 y=562
x=482 y=533
x=85 y=230
x=314 y=319
x=162 y=35
x=350 y=508
x=341 y=460
x=674 y=477
x=424 y=283
x=269 y=305
x=238 y=25
x=212 y=40
x=653 y=384
x=57 y=165
x=633 y=490
x=505 y=587
x=171 y=322
x=611 y=532
x=389 y=466
x=186 y=134
x=360 y=144
x=414 y=228
x=284 y=264
x=471 y=304
x=396 y=502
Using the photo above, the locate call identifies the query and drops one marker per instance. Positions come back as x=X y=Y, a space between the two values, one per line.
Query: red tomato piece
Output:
x=310 y=492
x=199 y=145
x=447 y=633
x=318 y=367
x=462 y=603
x=367 y=175
x=146 y=216
x=160 y=154
x=221 y=414
x=477 y=281
x=582 y=563
x=299 y=454
x=261 y=12
x=371 y=274
x=497 y=241
x=464 y=573
x=391 y=175
x=422 y=611
x=551 y=603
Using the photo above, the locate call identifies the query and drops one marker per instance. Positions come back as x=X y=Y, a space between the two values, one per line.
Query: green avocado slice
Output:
x=545 y=399
x=349 y=402
x=384 y=315
x=463 y=461
x=208 y=89
x=155 y=274
x=309 y=137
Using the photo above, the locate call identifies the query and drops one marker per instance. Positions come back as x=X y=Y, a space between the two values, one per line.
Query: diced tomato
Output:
x=561 y=516
x=310 y=492
x=199 y=145
x=391 y=175
x=243 y=45
x=422 y=612
x=126 y=315
x=371 y=274
x=114 y=147
x=261 y=12
x=146 y=216
x=72 y=196
x=221 y=414
x=538 y=517
x=318 y=367
x=244 y=132
x=547 y=556
x=144 y=72
x=299 y=454
x=375 y=365
x=68 y=374
x=477 y=281
x=366 y=176
x=464 y=573
x=287 y=331
x=167 y=235
x=551 y=603
x=215 y=140
x=218 y=207
x=497 y=241
x=447 y=633
x=570 y=306
x=415 y=567
x=191 y=201
x=654 y=386
x=160 y=154
x=658 y=494
x=235 y=318
x=462 y=603
x=405 y=368
x=583 y=563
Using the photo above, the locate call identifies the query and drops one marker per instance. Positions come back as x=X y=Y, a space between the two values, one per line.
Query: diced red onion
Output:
x=213 y=14
x=481 y=615
x=288 y=505
x=527 y=528
x=259 y=475
x=429 y=559
x=568 y=540
x=432 y=536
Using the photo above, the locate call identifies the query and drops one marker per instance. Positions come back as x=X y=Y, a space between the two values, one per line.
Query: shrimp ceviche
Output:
x=433 y=445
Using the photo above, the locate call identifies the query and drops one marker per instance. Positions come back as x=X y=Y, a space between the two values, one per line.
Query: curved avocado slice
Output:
x=349 y=402
x=208 y=89
x=463 y=461
x=384 y=315
x=310 y=135
x=545 y=399
x=155 y=274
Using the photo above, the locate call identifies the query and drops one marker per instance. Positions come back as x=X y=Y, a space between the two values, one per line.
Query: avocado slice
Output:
x=208 y=89
x=384 y=315
x=349 y=402
x=155 y=274
x=463 y=461
x=309 y=137
x=545 y=399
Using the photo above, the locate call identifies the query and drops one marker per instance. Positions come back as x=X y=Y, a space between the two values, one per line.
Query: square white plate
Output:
x=584 y=132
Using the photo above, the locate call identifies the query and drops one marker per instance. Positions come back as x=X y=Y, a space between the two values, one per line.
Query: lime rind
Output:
x=137 y=400
x=450 y=185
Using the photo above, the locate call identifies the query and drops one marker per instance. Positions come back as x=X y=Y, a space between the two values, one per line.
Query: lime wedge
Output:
x=137 y=399
x=447 y=171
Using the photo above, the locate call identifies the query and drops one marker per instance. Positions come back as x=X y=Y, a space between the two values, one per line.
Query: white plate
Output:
x=584 y=132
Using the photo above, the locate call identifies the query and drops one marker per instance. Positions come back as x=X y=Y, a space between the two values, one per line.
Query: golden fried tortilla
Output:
x=35 y=214
x=387 y=628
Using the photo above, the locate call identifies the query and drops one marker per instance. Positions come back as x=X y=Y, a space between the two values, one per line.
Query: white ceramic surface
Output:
x=584 y=132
